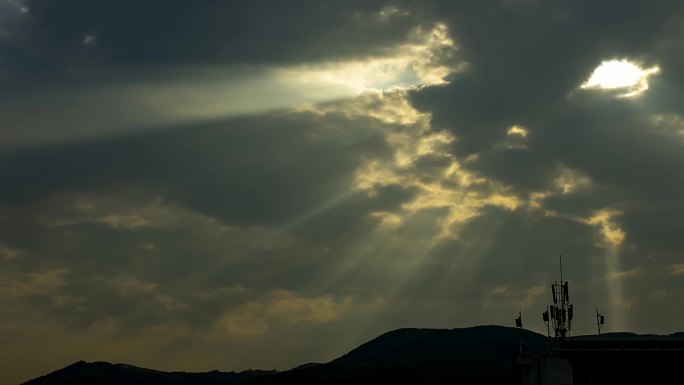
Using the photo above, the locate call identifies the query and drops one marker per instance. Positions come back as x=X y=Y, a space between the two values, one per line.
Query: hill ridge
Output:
x=482 y=354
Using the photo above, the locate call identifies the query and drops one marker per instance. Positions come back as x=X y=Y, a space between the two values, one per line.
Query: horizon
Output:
x=223 y=185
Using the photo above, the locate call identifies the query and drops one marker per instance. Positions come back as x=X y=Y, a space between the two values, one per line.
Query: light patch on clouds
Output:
x=621 y=75
x=245 y=321
x=613 y=235
x=516 y=139
x=391 y=12
x=669 y=125
x=131 y=286
x=570 y=181
x=386 y=220
x=7 y=252
x=517 y=131
x=421 y=61
x=499 y=290
x=677 y=269
x=536 y=198
x=413 y=141
x=89 y=40
x=294 y=308
x=46 y=284
x=252 y=319
x=389 y=107
x=531 y=295
x=111 y=212
x=626 y=273
x=503 y=296
x=129 y=221
x=13 y=6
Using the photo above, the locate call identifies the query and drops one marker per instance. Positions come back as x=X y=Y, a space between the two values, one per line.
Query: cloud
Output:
x=132 y=34
x=8 y=252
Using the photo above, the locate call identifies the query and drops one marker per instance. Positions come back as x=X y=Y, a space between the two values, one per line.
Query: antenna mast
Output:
x=600 y=320
x=560 y=313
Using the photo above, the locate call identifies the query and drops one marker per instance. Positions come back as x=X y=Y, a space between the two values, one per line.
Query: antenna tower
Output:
x=559 y=314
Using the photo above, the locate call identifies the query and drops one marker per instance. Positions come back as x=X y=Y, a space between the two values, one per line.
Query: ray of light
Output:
x=613 y=238
x=147 y=99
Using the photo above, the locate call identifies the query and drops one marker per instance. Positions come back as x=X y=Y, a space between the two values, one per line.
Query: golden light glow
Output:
x=677 y=269
x=668 y=125
x=502 y=296
x=613 y=235
x=535 y=199
x=45 y=283
x=570 y=181
x=516 y=139
x=390 y=12
x=253 y=319
x=7 y=252
x=412 y=140
x=620 y=74
x=517 y=131
x=626 y=274
x=386 y=219
x=531 y=294
x=130 y=286
x=419 y=61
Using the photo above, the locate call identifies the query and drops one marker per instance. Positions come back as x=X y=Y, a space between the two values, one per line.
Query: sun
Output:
x=620 y=75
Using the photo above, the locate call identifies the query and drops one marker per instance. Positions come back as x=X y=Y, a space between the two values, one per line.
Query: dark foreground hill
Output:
x=474 y=356
x=104 y=373
x=477 y=355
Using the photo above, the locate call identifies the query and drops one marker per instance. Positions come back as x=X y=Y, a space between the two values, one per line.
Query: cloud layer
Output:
x=264 y=184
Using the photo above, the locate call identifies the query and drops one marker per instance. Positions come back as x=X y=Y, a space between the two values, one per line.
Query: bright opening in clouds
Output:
x=517 y=131
x=420 y=61
x=621 y=75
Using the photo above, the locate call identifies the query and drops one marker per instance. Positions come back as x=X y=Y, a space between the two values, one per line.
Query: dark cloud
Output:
x=133 y=34
x=246 y=171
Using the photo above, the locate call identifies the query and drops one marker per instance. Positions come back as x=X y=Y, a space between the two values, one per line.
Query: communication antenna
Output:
x=519 y=325
x=545 y=317
x=600 y=320
x=560 y=314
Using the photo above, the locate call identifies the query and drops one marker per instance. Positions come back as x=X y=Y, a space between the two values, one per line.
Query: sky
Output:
x=260 y=184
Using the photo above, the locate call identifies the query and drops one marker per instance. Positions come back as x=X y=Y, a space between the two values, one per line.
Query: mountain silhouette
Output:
x=474 y=356
x=104 y=373
x=477 y=355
